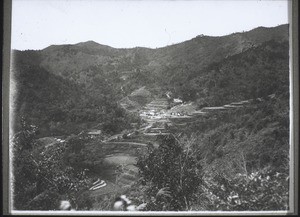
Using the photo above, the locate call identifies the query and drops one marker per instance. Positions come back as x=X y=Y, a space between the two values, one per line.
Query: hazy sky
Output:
x=37 y=24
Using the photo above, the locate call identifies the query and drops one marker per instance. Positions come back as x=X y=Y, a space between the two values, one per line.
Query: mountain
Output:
x=257 y=72
x=59 y=106
x=83 y=62
x=207 y=70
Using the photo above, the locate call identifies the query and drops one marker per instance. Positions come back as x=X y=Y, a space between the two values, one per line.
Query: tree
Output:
x=265 y=189
x=173 y=167
x=23 y=165
x=41 y=178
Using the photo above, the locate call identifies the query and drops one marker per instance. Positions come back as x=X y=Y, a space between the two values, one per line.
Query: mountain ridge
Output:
x=186 y=69
x=77 y=59
x=92 y=42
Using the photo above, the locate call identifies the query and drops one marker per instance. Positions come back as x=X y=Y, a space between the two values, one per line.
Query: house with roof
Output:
x=94 y=133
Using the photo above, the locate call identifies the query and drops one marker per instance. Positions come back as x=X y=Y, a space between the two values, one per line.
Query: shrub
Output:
x=173 y=167
x=262 y=190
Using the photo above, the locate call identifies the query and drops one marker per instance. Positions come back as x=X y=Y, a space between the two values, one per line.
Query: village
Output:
x=157 y=118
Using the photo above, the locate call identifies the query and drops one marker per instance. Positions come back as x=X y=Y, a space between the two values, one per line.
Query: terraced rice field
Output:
x=127 y=178
x=158 y=104
x=108 y=189
x=121 y=172
x=120 y=159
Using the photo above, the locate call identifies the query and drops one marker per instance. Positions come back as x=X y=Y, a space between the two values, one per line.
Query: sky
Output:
x=37 y=24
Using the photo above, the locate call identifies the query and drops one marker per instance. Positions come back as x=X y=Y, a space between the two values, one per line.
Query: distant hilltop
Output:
x=209 y=71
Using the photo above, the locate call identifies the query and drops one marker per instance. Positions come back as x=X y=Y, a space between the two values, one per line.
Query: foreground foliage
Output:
x=173 y=167
x=41 y=179
x=238 y=160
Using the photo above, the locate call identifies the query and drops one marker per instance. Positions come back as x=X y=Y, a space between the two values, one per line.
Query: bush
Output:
x=262 y=190
x=41 y=176
x=170 y=166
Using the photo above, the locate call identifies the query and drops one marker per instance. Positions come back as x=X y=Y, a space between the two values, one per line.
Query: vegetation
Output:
x=241 y=155
x=41 y=178
x=257 y=72
x=234 y=159
x=173 y=167
x=59 y=106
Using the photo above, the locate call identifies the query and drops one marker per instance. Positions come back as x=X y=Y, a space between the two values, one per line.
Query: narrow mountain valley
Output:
x=207 y=119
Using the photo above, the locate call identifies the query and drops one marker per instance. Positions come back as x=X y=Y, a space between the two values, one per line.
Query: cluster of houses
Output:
x=178 y=114
x=152 y=114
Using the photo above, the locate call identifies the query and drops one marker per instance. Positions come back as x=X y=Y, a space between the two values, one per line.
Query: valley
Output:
x=200 y=118
x=158 y=120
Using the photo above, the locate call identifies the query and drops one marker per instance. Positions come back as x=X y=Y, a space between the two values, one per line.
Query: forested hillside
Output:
x=59 y=106
x=157 y=69
x=257 y=72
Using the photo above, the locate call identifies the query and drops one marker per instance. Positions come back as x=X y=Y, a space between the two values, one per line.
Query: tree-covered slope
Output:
x=81 y=83
x=131 y=69
x=57 y=105
x=257 y=72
